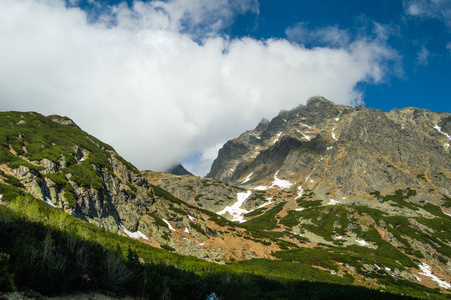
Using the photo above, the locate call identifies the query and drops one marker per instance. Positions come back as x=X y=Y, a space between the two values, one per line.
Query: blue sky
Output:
x=170 y=81
x=421 y=40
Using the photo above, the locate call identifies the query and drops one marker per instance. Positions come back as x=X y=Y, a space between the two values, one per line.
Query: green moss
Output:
x=127 y=164
x=69 y=195
x=177 y=210
x=58 y=178
x=256 y=212
x=197 y=228
x=159 y=221
x=167 y=248
x=84 y=175
x=433 y=209
x=266 y=221
x=12 y=180
x=447 y=201
x=165 y=194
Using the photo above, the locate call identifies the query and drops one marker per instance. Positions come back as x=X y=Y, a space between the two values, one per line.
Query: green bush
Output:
x=84 y=175
x=58 y=178
x=69 y=195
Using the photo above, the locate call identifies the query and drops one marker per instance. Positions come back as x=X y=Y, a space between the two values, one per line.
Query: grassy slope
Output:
x=43 y=138
x=52 y=252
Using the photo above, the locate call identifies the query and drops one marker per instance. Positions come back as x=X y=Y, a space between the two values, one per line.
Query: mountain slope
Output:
x=314 y=231
x=371 y=184
x=57 y=162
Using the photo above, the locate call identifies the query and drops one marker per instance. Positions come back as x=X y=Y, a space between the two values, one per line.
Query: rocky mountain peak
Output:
x=63 y=120
x=332 y=142
x=178 y=169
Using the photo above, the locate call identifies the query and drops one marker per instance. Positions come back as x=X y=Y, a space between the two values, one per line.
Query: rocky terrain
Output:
x=353 y=176
x=358 y=194
x=73 y=171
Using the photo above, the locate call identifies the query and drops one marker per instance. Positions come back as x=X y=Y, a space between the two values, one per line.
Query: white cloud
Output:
x=423 y=55
x=440 y=9
x=140 y=80
x=200 y=163
x=329 y=35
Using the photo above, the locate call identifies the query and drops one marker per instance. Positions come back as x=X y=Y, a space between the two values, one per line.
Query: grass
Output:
x=267 y=221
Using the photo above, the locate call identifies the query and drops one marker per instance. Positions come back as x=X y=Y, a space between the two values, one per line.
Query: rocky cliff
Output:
x=357 y=177
x=360 y=194
x=57 y=162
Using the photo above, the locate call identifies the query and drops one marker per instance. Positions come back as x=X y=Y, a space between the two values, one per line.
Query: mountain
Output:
x=178 y=170
x=57 y=162
x=371 y=183
x=318 y=201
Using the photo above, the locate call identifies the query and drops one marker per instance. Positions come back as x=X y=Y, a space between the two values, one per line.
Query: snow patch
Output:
x=339 y=237
x=443 y=212
x=300 y=192
x=186 y=230
x=283 y=184
x=308 y=137
x=377 y=267
x=235 y=209
x=266 y=203
x=439 y=129
x=278 y=136
x=426 y=271
x=169 y=225
x=82 y=159
x=261 y=188
x=247 y=178
x=133 y=235
x=1 y=196
x=299 y=209
x=49 y=202
x=362 y=242
x=201 y=244
x=191 y=218
x=328 y=148
x=333 y=202
x=337 y=119
x=333 y=134
x=305 y=125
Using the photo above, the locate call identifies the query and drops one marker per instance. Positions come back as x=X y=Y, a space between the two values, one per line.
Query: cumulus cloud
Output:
x=154 y=83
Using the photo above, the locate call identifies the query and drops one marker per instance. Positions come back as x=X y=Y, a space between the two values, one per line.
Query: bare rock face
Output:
x=204 y=193
x=75 y=172
x=343 y=176
x=351 y=150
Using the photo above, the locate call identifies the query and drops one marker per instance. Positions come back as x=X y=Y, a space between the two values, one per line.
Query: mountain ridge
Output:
x=310 y=188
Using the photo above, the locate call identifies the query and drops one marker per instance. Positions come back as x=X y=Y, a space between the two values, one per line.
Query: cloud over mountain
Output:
x=159 y=81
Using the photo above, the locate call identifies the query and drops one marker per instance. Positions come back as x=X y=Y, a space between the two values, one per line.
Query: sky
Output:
x=171 y=81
